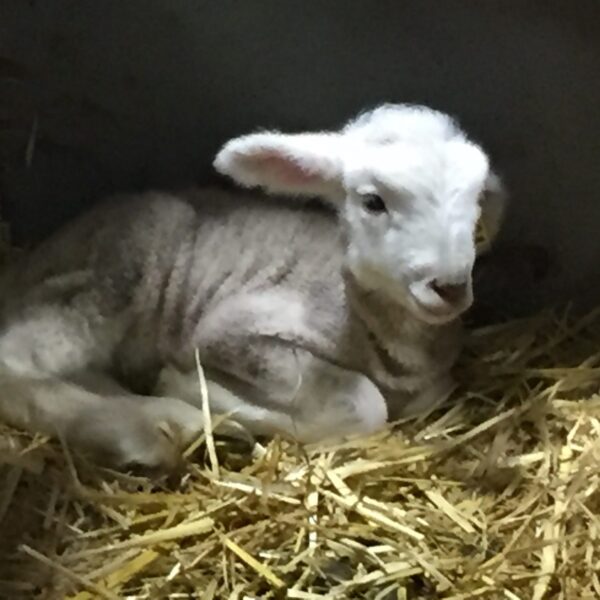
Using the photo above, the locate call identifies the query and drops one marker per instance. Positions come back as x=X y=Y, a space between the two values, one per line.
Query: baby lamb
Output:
x=310 y=320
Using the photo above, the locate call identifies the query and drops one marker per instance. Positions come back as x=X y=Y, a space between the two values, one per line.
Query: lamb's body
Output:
x=308 y=321
x=151 y=278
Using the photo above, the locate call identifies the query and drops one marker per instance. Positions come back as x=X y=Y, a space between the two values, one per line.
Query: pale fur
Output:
x=309 y=322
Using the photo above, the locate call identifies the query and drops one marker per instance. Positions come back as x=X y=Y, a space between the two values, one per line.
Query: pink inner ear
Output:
x=282 y=168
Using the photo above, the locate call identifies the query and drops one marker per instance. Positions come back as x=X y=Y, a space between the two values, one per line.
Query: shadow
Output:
x=31 y=501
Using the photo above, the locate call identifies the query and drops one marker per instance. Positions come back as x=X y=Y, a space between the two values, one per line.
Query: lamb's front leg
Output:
x=296 y=394
x=273 y=385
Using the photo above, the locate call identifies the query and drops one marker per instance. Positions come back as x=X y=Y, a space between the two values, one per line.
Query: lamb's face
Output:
x=408 y=185
x=411 y=211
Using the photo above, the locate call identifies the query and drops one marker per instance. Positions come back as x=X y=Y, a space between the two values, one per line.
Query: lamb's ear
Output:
x=493 y=207
x=308 y=164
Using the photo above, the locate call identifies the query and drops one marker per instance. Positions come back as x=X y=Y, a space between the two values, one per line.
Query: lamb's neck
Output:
x=381 y=315
x=407 y=341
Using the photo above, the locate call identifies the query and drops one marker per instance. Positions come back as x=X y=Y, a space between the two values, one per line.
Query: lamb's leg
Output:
x=318 y=401
x=275 y=384
x=39 y=354
x=271 y=385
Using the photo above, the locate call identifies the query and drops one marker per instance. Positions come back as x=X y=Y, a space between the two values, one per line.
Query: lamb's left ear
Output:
x=493 y=207
x=307 y=164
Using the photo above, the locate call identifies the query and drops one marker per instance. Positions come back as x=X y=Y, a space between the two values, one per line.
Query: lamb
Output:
x=311 y=320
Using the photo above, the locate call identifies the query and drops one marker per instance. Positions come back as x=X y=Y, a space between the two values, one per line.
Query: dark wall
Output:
x=138 y=93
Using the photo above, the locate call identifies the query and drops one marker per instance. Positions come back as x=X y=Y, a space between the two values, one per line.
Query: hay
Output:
x=494 y=496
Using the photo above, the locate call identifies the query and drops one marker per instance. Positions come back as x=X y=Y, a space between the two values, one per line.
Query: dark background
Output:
x=141 y=93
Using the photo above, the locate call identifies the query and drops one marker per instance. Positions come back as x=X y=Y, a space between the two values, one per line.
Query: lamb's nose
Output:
x=452 y=293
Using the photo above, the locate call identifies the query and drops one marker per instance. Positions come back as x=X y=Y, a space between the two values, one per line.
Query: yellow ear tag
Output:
x=482 y=238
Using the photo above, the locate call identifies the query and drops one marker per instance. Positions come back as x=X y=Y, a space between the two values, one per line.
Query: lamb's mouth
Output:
x=438 y=313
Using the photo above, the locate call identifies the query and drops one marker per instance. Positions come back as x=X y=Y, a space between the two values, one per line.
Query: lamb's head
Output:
x=410 y=188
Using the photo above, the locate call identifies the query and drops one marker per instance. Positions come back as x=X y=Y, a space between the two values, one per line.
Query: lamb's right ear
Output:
x=307 y=164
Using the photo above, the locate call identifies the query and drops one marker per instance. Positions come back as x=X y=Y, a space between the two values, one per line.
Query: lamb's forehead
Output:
x=437 y=167
x=412 y=146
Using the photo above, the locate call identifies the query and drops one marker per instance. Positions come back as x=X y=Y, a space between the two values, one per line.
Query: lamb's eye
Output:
x=374 y=204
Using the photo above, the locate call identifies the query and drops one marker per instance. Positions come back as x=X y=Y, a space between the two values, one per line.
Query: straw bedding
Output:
x=494 y=495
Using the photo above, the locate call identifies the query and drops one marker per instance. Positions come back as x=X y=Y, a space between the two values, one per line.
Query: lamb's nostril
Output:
x=450 y=292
